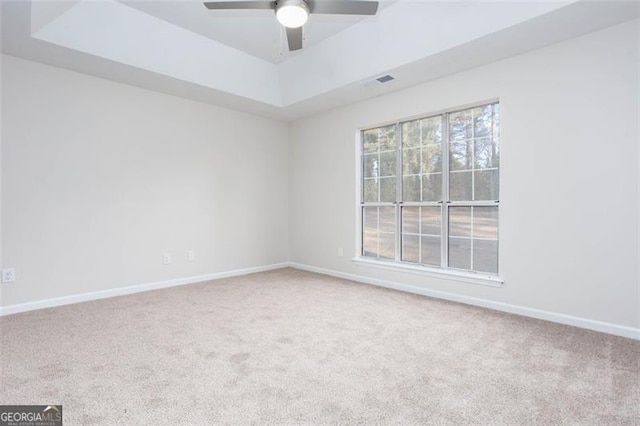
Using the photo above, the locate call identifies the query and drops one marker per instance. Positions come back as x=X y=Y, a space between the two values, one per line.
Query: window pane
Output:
x=485 y=222
x=483 y=121
x=496 y=122
x=460 y=186
x=370 y=217
x=370 y=243
x=460 y=222
x=460 y=154
x=379 y=168
x=387 y=138
x=432 y=130
x=411 y=161
x=486 y=183
x=473 y=235
x=410 y=243
x=431 y=250
x=460 y=126
x=388 y=163
x=474 y=145
x=388 y=189
x=422 y=160
x=411 y=188
x=411 y=133
x=410 y=250
x=410 y=220
x=432 y=187
x=378 y=239
x=370 y=167
x=370 y=231
x=387 y=246
x=426 y=247
x=370 y=141
x=485 y=256
x=387 y=219
x=460 y=253
x=485 y=243
x=430 y=220
x=487 y=154
x=370 y=190
x=431 y=158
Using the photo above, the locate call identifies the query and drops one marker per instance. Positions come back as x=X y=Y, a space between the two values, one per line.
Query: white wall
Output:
x=569 y=179
x=99 y=179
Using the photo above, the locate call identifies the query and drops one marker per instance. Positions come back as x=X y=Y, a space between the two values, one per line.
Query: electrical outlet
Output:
x=166 y=259
x=340 y=252
x=8 y=275
x=191 y=255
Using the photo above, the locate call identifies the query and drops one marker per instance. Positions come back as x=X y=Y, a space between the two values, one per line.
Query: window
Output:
x=430 y=191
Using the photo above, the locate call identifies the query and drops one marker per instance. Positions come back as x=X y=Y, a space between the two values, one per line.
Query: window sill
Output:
x=467 y=277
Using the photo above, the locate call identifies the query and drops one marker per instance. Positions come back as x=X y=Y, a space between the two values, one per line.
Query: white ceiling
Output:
x=232 y=58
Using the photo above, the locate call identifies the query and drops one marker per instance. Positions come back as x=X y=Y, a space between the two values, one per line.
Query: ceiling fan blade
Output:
x=240 y=5
x=294 y=38
x=347 y=7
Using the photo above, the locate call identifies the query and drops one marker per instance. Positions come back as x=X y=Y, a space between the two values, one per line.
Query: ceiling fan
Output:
x=293 y=14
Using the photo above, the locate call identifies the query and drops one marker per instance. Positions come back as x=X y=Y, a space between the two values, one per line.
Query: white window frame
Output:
x=443 y=272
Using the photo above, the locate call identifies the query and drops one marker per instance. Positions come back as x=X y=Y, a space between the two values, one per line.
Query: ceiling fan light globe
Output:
x=292 y=15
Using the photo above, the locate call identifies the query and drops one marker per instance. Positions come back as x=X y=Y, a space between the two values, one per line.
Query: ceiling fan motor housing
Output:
x=292 y=13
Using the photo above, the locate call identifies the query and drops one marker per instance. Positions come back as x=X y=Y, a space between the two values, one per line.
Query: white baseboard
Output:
x=84 y=297
x=618 y=330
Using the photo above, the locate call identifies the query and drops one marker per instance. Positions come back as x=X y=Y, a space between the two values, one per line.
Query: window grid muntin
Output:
x=445 y=172
x=473 y=237
x=399 y=189
x=378 y=231
x=420 y=234
x=444 y=224
x=418 y=145
x=379 y=177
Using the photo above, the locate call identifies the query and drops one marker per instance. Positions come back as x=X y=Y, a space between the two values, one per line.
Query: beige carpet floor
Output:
x=291 y=347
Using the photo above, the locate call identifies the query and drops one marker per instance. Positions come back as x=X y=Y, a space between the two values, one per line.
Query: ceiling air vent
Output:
x=377 y=81
x=384 y=78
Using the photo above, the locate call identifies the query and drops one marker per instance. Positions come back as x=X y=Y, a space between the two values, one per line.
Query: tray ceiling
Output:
x=238 y=59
